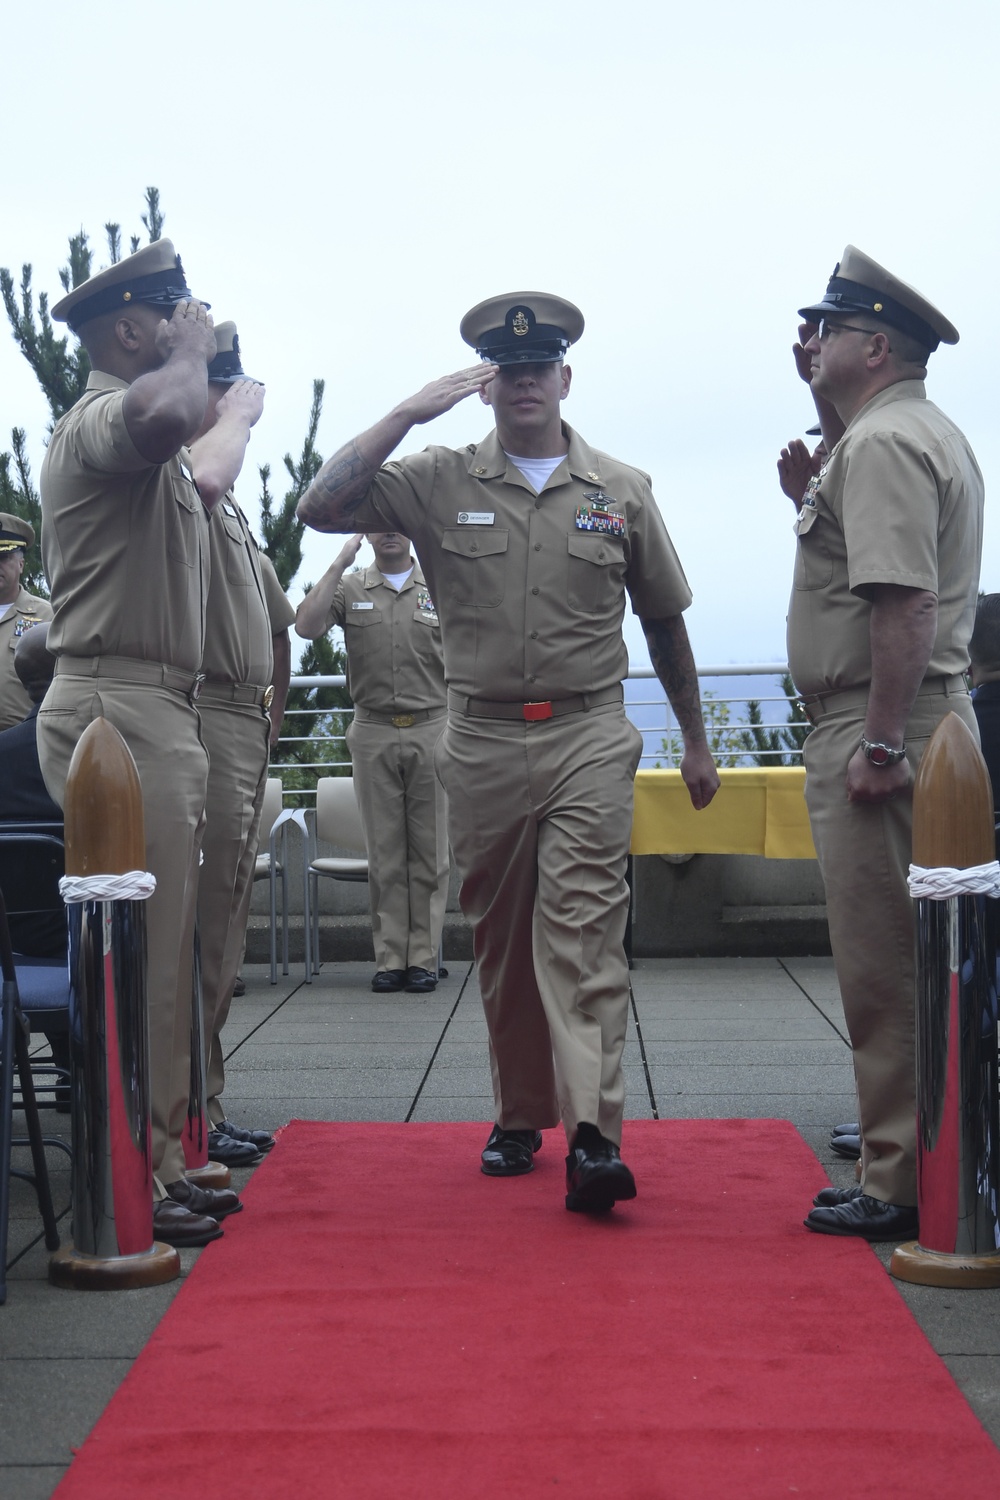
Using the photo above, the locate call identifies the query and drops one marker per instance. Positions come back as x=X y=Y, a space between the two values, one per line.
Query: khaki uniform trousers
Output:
x=540 y=818
x=236 y=737
x=864 y=853
x=405 y=818
x=162 y=731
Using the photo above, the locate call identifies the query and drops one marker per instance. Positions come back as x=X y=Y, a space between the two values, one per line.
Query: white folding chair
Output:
x=336 y=820
x=271 y=865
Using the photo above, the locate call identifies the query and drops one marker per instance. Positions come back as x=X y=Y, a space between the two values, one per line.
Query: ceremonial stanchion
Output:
x=104 y=889
x=197 y=1167
x=954 y=872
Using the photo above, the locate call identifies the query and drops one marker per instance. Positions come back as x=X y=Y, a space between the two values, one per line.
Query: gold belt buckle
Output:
x=268 y=698
x=403 y=721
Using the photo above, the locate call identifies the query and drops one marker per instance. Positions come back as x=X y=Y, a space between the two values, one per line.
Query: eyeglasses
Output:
x=826 y=328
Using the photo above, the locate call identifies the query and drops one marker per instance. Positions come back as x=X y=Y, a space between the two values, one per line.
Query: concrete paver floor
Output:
x=708 y=1038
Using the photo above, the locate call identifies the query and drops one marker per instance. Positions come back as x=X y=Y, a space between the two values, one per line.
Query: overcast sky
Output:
x=345 y=180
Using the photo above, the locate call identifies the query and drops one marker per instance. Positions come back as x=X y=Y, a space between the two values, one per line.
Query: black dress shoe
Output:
x=215 y=1202
x=509 y=1153
x=846 y=1145
x=420 y=981
x=239 y=987
x=850 y=1127
x=262 y=1139
x=177 y=1226
x=222 y=1147
x=596 y=1176
x=387 y=980
x=827 y=1197
x=866 y=1217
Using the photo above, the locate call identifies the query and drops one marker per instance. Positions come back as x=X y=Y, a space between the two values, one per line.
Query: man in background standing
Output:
x=395 y=668
x=19 y=611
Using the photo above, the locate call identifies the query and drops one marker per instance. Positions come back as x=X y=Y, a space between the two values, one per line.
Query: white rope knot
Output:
x=940 y=883
x=136 y=885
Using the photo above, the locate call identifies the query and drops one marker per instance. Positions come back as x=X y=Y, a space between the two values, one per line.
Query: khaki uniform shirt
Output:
x=21 y=615
x=124 y=541
x=530 y=587
x=899 y=500
x=239 y=624
x=395 y=661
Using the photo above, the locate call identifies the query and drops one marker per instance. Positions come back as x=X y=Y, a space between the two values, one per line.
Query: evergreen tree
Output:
x=18 y=497
x=313 y=714
x=767 y=746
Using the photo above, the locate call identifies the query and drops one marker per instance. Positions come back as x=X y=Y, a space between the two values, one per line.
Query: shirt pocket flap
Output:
x=469 y=543
x=600 y=550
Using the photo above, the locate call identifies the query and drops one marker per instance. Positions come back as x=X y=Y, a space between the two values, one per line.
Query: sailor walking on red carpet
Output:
x=530 y=541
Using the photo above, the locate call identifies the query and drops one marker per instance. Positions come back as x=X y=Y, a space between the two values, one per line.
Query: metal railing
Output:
x=735 y=740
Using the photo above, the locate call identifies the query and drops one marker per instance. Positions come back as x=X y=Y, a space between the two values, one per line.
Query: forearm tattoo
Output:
x=337 y=491
x=670 y=654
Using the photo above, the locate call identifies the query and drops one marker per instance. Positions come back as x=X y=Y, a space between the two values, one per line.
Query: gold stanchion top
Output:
x=952 y=801
x=104 y=829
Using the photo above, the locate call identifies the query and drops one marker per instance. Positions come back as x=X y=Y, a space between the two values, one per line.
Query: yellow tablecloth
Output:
x=753 y=812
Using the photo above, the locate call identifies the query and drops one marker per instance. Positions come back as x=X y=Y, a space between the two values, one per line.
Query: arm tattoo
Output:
x=670 y=654
x=337 y=491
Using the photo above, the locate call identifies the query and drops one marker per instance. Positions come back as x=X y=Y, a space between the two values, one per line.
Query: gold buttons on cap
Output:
x=877 y=307
x=126 y=296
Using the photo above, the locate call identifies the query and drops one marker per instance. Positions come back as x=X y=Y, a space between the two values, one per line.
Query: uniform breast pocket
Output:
x=475 y=568
x=595 y=572
x=239 y=570
x=184 y=522
x=426 y=635
x=813 y=559
x=362 y=634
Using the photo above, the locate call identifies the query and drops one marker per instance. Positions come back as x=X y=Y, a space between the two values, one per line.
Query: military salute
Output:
x=19 y=611
x=126 y=551
x=886 y=573
x=529 y=541
x=395 y=671
x=247 y=620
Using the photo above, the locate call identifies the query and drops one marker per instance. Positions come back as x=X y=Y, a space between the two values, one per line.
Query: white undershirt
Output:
x=537 y=471
x=398 y=579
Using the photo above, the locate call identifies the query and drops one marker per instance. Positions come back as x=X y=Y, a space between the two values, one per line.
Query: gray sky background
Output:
x=346 y=180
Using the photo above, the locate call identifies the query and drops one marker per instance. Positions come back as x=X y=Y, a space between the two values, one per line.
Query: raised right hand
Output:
x=188 y=332
x=803 y=361
x=441 y=395
x=350 y=549
x=796 y=467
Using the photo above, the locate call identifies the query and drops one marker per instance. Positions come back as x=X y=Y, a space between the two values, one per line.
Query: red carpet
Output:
x=384 y=1321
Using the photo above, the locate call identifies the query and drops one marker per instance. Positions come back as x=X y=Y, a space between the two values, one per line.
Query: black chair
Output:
x=35 y=987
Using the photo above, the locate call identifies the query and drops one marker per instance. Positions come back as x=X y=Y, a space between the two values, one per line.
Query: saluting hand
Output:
x=189 y=332
x=803 y=360
x=441 y=395
x=244 y=400
x=350 y=550
x=797 y=466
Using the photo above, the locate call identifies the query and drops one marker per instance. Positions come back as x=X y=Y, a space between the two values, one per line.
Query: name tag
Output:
x=476 y=517
x=229 y=509
x=366 y=605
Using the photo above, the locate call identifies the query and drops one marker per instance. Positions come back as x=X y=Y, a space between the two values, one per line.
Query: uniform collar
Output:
x=487 y=460
x=901 y=390
x=100 y=380
x=373 y=577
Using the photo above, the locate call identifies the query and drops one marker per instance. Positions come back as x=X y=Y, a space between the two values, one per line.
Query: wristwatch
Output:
x=881 y=755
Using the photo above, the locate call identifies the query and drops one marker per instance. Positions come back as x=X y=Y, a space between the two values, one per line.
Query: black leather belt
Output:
x=546 y=708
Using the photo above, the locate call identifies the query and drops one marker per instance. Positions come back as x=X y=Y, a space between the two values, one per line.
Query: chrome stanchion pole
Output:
x=105 y=890
x=958 y=1113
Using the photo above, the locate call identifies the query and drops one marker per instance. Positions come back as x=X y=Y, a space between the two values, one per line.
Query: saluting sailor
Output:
x=19 y=611
x=530 y=541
